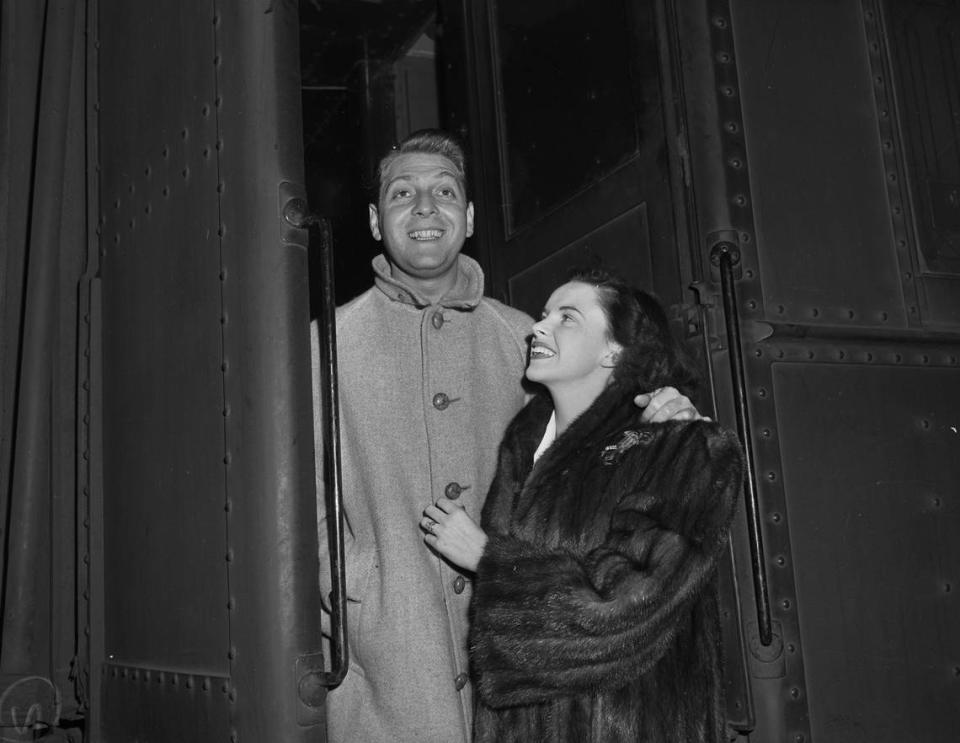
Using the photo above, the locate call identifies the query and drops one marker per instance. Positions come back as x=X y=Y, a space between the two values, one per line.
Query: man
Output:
x=429 y=375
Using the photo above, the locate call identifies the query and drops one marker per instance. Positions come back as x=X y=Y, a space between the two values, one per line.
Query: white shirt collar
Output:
x=549 y=436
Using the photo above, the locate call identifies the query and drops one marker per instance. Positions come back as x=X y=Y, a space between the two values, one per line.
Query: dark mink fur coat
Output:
x=594 y=615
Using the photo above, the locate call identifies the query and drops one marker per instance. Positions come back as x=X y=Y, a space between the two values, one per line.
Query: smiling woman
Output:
x=603 y=530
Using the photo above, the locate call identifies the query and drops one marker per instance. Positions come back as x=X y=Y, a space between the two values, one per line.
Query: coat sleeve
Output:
x=547 y=624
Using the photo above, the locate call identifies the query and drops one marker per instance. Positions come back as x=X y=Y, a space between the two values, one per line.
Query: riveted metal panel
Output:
x=870 y=474
x=163 y=528
x=820 y=190
x=168 y=705
x=208 y=556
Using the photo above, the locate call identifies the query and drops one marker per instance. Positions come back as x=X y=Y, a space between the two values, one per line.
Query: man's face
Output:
x=424 y=217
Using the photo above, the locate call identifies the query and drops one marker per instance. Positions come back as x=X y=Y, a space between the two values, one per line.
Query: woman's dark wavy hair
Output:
x=651 y=356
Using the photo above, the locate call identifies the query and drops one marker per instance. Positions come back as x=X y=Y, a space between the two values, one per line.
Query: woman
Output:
x=594 y=615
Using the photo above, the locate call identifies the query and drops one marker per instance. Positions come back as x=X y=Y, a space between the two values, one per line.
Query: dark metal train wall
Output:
x=203 y=606
x=786 y=175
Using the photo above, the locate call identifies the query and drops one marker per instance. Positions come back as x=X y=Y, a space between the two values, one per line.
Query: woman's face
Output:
x=571 y=341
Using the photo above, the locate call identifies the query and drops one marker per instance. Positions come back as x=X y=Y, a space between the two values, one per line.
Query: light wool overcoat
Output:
x=426 y=392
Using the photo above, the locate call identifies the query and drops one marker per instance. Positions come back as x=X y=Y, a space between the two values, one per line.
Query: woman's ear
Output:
x=612 y=356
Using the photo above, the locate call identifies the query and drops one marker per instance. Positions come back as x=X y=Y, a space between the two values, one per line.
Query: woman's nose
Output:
x=538 y=328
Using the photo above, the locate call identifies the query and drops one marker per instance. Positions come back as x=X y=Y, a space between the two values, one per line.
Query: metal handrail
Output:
x=331 y=457
x=725 y=255
x=297 y=214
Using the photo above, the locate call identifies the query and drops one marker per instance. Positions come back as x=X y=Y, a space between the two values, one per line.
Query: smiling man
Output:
x=430 y=374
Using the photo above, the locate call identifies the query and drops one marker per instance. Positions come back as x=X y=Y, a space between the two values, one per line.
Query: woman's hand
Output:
x=451 y=532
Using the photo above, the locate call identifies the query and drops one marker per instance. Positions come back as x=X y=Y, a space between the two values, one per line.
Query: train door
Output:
x=201 y=609
x=784 y=174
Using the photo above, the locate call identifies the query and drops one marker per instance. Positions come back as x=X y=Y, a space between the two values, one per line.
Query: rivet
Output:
x=947 y=588
x=740 y=200
x=732 y=127
x=232 y=653
x=781 y=309
x=185 y=173
x=762 y=392
x=226 y=458
x=765 y=433
x=791 y=648
x=184 y=134
x=736 y=163
x=720 y=22
x=749 y=272
x=752 y=304
x=231 y=603
x=786 y=604
x=758 y=353
x=814 y=312
x=745 y=238
x=781 y=561
x=228 y=505
x=795 y=692
x=205 y=685
x=776 y=517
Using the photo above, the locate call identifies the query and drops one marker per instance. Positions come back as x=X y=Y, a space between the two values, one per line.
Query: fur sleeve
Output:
x=546 y=624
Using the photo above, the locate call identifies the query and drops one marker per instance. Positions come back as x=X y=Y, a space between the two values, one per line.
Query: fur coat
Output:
x=595 y=613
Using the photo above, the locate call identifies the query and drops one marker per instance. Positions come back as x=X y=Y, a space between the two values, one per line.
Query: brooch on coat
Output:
x=611 y=453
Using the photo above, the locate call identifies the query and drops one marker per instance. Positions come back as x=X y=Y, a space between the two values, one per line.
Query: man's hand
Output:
x=666 y=404
x=451 y=532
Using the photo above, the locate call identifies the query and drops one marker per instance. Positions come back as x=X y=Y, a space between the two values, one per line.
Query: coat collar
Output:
x=465 y=294
x=611 y=413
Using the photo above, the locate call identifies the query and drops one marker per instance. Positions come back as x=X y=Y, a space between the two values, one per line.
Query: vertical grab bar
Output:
x=725 y=256
x=296 y=213
x=331 y=458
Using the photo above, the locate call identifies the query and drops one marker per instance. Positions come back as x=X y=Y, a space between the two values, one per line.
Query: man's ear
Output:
x=375 y=222
x=469 y=218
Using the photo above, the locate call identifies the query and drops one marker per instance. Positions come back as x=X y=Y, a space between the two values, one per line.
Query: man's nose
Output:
x=425 y=205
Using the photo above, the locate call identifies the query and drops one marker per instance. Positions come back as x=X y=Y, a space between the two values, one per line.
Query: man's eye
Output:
x=400 y=193
x=447 y=192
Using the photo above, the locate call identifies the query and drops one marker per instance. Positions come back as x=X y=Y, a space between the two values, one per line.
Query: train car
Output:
x=183 y=187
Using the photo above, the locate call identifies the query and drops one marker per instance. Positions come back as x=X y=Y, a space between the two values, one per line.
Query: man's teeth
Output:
x=426 y=234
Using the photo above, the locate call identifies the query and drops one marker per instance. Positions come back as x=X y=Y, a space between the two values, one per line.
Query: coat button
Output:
x=453 y=490
x=460 y=681
x=441 y=401
x=459 y=584
x=437 y=319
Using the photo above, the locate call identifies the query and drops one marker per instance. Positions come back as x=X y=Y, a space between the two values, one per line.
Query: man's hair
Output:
x=427 y=142
x=651 y=356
